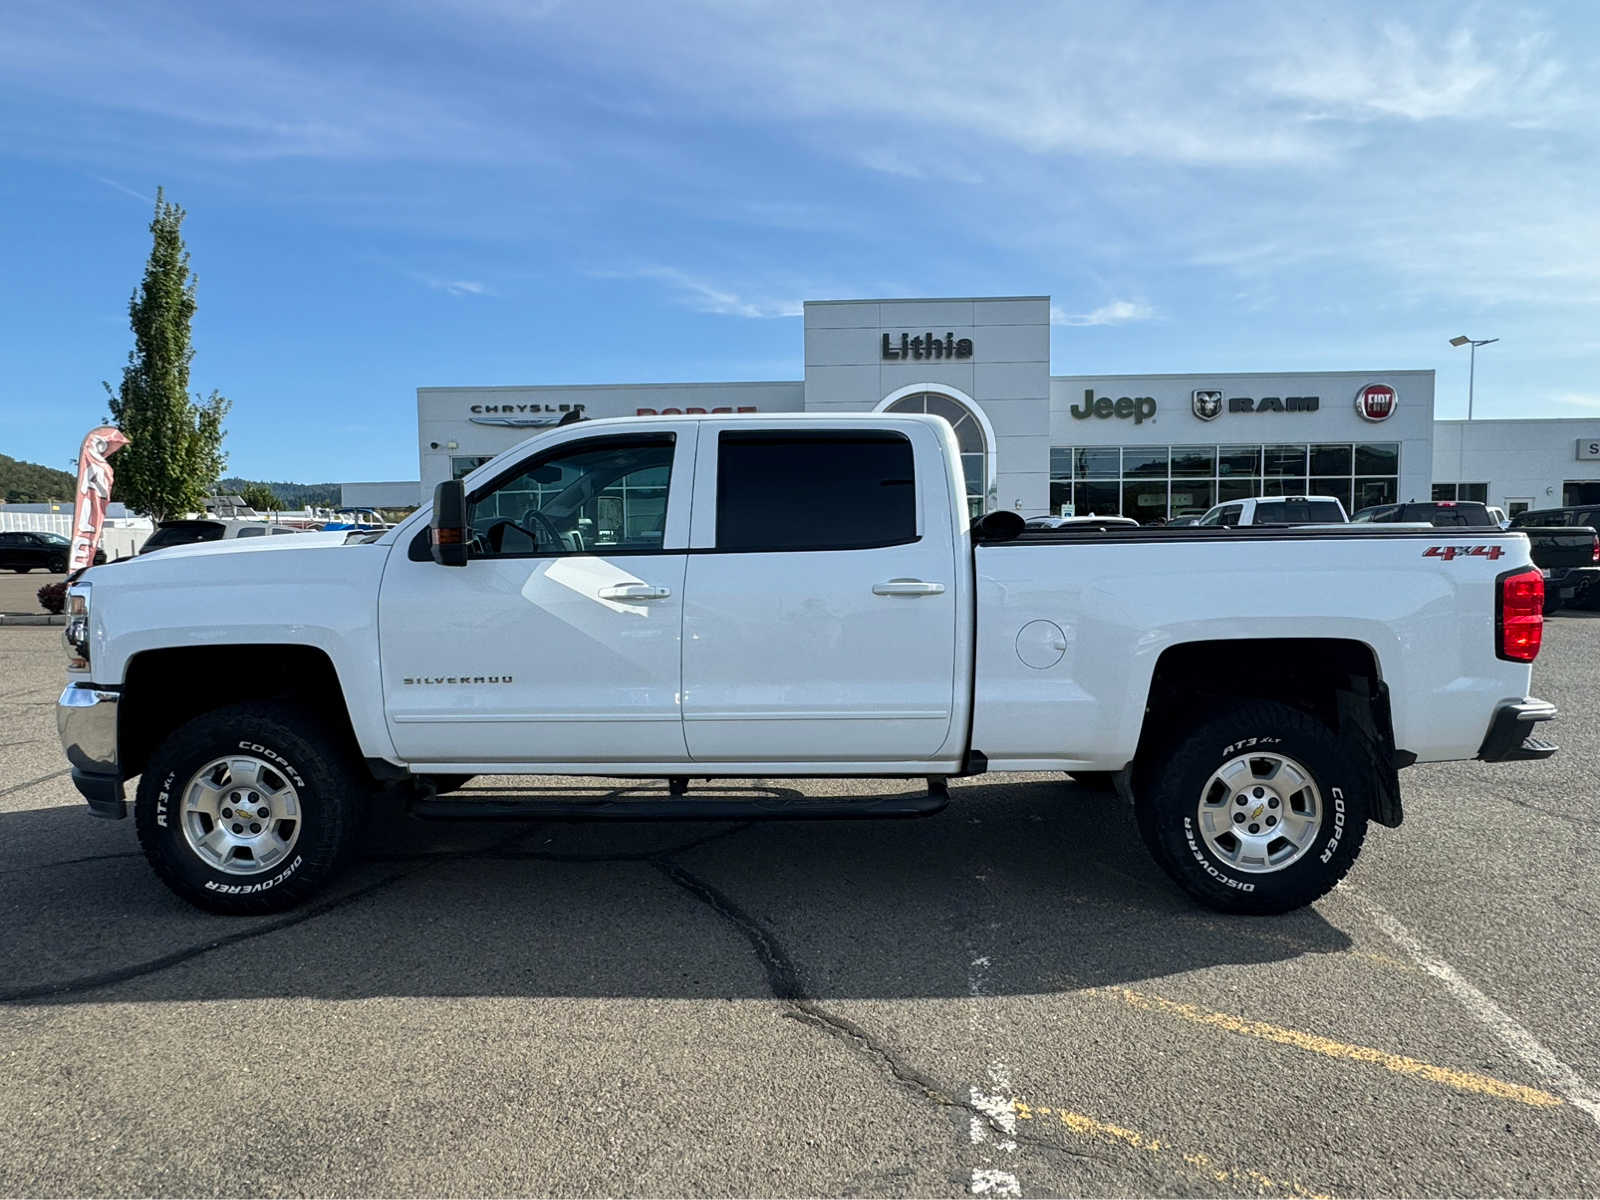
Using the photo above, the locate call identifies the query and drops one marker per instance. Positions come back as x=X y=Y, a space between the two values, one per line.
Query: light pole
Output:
x=1472 y=361
x=1472 y=374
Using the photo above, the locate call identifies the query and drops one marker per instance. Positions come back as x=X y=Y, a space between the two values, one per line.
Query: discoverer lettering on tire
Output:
x=1259 y=808
x=312 y=791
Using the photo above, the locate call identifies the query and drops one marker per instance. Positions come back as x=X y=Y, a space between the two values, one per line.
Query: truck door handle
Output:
x=634 y=591
x=907 y=587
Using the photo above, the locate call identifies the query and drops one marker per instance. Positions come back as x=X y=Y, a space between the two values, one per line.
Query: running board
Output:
x=681 y=808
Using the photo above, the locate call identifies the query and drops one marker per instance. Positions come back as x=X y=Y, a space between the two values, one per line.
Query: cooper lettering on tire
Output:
x=249 y=809
x=1260 y=810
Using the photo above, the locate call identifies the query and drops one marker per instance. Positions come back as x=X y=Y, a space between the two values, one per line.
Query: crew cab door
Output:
x=558 y=642
x=820 y=620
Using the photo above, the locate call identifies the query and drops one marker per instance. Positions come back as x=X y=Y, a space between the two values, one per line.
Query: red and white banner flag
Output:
x=94 y=493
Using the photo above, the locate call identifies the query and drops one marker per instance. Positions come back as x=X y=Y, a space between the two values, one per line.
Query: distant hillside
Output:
x=29 y=483
x=292 y=495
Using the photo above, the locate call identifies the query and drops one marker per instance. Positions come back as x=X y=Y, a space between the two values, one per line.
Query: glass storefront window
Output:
x=1284 y=485
x=1285 y=460
x=1144 y=500
x=1378 y=458
x=1097 y=499
x=1337 y=487
x=1331 y=460
x=1238 y=460
x=1097 y=462
x=1191 y=497
x=1376 y=491
x=1153 y=483
x=1462 y=491
x=1194 y=460
x=1144 y=460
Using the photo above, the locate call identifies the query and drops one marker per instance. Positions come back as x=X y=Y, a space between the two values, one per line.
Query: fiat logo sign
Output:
x=1376 y=401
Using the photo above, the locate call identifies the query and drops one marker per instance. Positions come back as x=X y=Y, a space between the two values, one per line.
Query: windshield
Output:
x=55 y=539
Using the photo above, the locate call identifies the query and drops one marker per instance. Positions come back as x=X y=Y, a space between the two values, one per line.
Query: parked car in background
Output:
x=1498 y=516
x=1569 y=558
x=1089 y=522
x=1277 y=510
x=22 y=551
x=1578 y=514
x=1468 y=514
x=209 y=529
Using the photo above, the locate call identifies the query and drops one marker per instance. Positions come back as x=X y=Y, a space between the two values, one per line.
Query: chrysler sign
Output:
x=521 y=416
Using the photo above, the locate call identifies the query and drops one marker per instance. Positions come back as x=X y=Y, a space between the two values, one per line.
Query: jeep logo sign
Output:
x=1140 y=408
x=1376 y=402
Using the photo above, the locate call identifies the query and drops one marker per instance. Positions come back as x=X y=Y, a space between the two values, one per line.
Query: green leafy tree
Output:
x=259 y=497
x=174 y=454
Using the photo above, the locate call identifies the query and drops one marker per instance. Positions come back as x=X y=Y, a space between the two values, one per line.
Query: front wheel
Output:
x=1261 y=810
x=249 y=809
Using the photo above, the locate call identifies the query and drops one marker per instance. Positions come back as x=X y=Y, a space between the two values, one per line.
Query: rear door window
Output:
x=816 y=490
x=1230 y=515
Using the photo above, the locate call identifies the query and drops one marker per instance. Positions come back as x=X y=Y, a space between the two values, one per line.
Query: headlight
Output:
x=76 y=633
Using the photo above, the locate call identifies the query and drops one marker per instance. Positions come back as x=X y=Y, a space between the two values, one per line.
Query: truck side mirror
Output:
x=447 y=532
x=1001 y=525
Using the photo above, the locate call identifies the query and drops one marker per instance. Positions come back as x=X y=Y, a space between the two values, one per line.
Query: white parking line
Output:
x=995 y=1103
x=1523 y=1044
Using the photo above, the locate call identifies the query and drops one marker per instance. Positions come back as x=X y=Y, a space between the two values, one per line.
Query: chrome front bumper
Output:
x=86 y=719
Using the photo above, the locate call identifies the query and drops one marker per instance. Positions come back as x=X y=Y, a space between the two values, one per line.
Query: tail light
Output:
x=1594 y=555
x=1519 y=615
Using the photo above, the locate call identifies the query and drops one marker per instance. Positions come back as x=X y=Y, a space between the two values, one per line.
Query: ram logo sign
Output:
x=1206 y=405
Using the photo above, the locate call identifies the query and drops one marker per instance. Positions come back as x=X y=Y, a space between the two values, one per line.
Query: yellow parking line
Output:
x=1203 y=1165
x=1466 y=1081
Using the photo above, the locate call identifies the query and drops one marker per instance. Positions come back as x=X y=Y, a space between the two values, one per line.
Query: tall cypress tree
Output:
x=174 y=455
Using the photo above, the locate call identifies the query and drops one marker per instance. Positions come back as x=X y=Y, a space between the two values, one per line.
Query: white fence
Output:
x=119 y=538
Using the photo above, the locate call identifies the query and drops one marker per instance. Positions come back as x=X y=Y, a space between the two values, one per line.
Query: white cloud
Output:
x=455 y=287
x=704 y=296
x=1580 y=399
x=1117 y=312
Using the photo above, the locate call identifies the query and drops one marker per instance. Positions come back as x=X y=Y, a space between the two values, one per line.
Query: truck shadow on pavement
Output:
x=1049 y=879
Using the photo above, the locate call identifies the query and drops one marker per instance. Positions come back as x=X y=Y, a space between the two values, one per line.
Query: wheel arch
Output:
x=1339 y=681
x=164 y=688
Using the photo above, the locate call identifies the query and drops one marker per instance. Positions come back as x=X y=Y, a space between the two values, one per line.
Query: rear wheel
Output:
x=1261 y=810
x=249 y=809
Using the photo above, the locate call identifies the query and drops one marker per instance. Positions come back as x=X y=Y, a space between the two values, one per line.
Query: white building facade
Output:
x=1148 y=446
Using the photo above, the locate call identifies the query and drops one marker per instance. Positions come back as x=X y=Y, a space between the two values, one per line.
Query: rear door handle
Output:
x=907 y=587
x=634 y=591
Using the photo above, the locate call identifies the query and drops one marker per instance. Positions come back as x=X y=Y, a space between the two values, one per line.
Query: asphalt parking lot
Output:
x=1007 y=998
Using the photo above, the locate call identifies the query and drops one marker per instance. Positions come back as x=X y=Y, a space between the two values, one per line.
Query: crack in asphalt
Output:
x=100 y=979
x=17 y=787
x=784 y=981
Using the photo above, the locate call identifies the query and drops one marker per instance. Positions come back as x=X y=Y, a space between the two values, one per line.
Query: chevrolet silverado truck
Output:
x=680 y=597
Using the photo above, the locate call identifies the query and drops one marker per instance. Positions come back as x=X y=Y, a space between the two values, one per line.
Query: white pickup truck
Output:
x=795 y=595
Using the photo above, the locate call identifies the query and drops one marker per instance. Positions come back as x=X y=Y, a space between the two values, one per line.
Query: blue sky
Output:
x=455 y=192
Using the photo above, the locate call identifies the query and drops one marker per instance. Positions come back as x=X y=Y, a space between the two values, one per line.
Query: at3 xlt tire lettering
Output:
x=1169 y=790
x=329 y=786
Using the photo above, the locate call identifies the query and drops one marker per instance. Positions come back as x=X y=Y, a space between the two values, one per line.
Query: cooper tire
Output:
x=294 y=758
x=1177 y=822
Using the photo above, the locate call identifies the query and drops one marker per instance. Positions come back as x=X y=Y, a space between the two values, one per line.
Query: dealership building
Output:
x=1147 y=446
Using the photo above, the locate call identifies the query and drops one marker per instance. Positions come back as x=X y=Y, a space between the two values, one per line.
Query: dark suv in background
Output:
x=21 y=551
x=1582 y=514
x=1461 y=513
